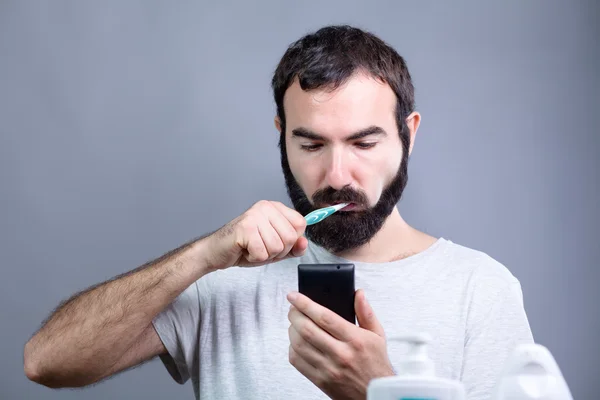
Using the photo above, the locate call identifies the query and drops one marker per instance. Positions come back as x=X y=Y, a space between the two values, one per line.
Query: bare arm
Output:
x=108 y=327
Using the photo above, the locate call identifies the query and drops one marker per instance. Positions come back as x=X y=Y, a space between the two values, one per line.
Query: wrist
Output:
x=200 y=252
x=189 y=263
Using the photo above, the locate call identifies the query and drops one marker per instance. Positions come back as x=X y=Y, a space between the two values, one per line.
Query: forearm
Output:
x=90 y=332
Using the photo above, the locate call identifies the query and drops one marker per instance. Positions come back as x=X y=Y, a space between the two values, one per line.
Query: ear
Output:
x=278 y=124
x=413 y=121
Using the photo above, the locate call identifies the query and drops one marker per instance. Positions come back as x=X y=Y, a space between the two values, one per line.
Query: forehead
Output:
x=360 y=102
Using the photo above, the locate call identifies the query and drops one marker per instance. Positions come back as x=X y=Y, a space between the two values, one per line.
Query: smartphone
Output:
x=330 y=285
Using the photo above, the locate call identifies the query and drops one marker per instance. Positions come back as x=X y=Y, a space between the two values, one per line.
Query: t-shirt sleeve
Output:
x=497 y=323
x=178 y=327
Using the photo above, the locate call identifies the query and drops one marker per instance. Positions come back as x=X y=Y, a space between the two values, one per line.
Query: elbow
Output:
x=45 y=371
x=31 y=366
x=32 y=373
x=34 y=370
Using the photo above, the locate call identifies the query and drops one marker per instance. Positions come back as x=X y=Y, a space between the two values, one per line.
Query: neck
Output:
x=394 y=241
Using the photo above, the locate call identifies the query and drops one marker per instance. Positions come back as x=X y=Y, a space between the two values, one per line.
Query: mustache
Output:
x=345 y=195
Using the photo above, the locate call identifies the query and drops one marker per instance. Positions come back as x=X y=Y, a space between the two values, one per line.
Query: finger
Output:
x=304 y=367
x=295 y=218
x=284 y=229
x=270 y=238
x=326 y=319
x=257 y=252
x=365 y=314
x=313 y=334
x=304 y=349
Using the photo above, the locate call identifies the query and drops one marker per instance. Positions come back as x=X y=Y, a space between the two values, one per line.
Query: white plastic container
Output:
x=415 y=379
x=532 y=373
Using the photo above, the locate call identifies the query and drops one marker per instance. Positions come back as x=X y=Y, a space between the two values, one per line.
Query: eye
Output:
x=311 y=147
x=365 y=145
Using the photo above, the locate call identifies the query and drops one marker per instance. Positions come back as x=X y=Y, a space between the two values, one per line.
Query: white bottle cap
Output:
x=417 y=361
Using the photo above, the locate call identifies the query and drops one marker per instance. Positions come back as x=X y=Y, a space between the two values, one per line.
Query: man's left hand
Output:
x=340 y=358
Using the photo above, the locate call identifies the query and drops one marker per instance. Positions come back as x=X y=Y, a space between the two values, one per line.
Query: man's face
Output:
x=343 y=146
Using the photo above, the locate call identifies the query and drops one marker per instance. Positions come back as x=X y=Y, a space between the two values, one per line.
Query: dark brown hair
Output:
x=330 y=56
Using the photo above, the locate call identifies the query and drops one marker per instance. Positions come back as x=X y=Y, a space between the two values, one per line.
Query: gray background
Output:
x=128 y=128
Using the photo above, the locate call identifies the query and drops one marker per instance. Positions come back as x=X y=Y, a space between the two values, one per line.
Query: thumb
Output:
x=299 y=247
x=365 y=314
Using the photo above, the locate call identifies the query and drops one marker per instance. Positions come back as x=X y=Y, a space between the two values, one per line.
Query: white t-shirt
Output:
x=228 y=331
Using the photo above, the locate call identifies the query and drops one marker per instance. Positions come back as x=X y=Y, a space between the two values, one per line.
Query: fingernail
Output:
x=292 y=296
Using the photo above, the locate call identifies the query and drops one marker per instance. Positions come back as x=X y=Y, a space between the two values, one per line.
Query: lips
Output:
x=349 y=207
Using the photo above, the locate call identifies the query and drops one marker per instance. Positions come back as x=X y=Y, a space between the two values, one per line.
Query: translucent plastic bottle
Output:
x=415 y=379
x=531 y=373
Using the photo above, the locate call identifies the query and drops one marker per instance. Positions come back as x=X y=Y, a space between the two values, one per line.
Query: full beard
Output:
x=345 y=230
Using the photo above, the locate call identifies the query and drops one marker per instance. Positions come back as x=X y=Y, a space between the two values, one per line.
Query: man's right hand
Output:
x=268 y=231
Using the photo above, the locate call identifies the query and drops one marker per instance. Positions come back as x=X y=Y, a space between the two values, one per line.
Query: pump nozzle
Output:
x=417 y=361
x=415 y=376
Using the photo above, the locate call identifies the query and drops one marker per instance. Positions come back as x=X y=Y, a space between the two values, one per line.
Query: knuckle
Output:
x=263 y=205
x=296 y=346
x=292 y=356
x=256 y=209
x=259 y=259
x=263 y=256
x=289 y=238
x=258 y=255
x=325 y=321
x=357 y=345
x=334 y=375
x=345 y=359
x=276 y=248
x=307 y=333
x=291 y=334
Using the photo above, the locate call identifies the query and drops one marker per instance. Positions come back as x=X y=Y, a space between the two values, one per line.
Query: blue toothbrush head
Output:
x=322 y=213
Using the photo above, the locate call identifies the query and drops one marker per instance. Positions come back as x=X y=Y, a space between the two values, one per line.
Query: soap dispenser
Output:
x=416 y=377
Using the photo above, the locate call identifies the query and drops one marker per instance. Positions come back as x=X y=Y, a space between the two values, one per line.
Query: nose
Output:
x=338 y=173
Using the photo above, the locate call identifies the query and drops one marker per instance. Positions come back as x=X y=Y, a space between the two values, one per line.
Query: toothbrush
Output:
x=322 y=213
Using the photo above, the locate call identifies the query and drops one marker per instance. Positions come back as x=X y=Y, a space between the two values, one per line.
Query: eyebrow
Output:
x=308 y=134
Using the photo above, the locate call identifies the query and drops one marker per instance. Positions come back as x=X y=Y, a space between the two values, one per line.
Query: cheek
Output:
x=380 y=172
x=373 y=187
x=306 y=173
x=392 y=165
